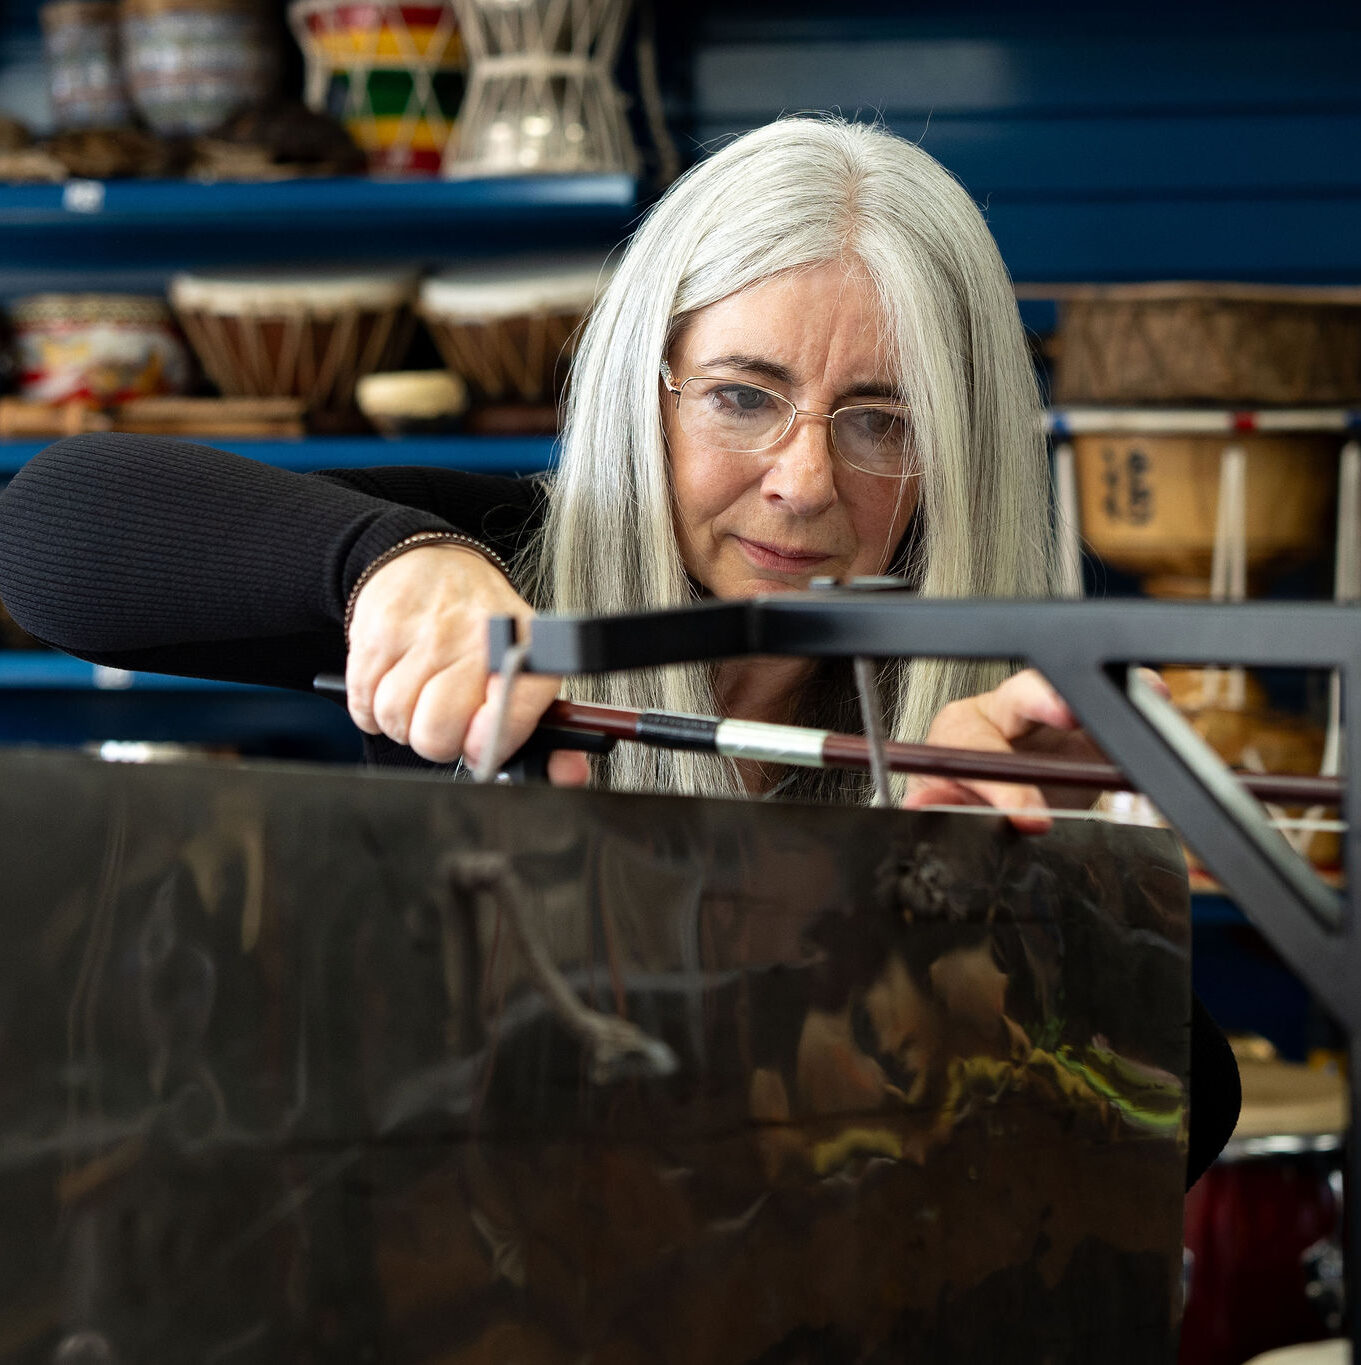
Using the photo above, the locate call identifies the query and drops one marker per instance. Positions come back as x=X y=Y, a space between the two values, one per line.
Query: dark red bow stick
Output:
x=793 y=744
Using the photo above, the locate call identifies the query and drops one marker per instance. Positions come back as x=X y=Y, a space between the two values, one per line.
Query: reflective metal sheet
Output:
x=279 y=1079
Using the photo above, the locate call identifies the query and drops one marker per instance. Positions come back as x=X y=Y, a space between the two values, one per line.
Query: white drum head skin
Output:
x=1311 y=1353
x=292 y=291
x=516 y=287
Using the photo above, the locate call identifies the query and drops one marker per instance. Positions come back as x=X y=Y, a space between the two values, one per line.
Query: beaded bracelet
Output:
x=415 y=542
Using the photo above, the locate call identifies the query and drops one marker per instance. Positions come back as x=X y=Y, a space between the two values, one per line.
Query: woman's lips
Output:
x=782 y=559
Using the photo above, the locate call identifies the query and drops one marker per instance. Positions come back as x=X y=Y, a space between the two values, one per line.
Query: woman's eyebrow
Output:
x=773 y=370
x=874 y=390
x=753 y=364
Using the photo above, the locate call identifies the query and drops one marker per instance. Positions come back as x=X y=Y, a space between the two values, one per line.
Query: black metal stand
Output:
x=1086 y=650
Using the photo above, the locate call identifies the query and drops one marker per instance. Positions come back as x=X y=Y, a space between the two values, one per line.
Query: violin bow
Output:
x=808 y=748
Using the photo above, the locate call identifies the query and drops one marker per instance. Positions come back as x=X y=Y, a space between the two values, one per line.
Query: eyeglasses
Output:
x=729 y=414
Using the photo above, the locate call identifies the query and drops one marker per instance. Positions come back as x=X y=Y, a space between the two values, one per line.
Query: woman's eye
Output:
x=740 y=398
x=880 y=424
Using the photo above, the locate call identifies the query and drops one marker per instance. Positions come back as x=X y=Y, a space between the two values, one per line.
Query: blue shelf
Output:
x=133 y=233
x=43 y=670
x=52 y=699
x=89 y=205
x=480 y=454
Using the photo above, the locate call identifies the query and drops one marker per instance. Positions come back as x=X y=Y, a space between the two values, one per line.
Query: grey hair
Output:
x=795 y=194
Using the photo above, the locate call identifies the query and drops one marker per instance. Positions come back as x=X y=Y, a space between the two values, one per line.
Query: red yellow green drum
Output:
x=393 y=73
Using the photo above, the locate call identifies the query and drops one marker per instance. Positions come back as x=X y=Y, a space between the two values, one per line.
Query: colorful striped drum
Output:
x=388 y=134
x=393 y=73
x=346 y=34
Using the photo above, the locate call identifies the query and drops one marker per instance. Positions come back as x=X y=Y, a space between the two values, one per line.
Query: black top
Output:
x=152 y=553
x=143 y=552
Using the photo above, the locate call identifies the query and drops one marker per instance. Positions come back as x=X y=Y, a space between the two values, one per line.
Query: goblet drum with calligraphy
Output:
x=1148 y=503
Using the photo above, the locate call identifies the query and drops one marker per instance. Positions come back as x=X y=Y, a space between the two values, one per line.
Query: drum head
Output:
x=1311 y=1353
x=1288 y=1108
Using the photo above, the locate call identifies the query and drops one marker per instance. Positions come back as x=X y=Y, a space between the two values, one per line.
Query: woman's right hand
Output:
x=417 y=669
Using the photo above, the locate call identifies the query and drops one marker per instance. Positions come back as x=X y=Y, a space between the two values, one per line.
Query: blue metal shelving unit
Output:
x=123 y=204
x=46 y=670
x=481 y=454
x=131 y=234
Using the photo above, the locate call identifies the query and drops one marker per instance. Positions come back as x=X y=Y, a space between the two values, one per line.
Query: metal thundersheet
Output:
x=281 y=1079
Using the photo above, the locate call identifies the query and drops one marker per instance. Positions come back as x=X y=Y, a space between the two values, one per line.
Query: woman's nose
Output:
x=802 y=470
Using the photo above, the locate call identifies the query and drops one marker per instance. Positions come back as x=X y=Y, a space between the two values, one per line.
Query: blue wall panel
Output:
x=1193 y=141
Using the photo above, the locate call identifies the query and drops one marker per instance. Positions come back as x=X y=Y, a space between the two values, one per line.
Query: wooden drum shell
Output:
x=508 y=360
x=310 y=339
x=508 y=327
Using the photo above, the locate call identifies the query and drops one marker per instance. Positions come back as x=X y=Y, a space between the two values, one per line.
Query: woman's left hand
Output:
x=1025 y=714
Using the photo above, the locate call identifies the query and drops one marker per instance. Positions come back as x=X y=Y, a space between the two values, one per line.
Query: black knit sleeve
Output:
x=151 y=553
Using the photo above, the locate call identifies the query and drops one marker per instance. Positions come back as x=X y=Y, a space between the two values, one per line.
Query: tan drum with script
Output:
x=1149 y=501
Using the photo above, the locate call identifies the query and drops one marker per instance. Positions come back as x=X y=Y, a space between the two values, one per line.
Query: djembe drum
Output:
x=393 y=73
x=296 y=333
x=541 y=97
x=507 y=328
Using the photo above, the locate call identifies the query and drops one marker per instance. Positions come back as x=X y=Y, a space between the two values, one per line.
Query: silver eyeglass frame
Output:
x=669 y=381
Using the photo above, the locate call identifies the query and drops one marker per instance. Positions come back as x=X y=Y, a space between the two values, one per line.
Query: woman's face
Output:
x=773 y=520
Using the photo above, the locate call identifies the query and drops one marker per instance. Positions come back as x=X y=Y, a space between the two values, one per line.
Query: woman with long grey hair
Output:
x=781 y=237
x=804 y=201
